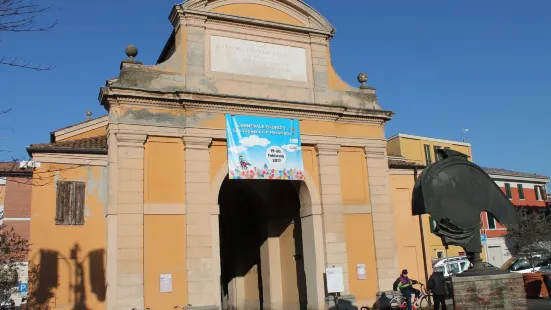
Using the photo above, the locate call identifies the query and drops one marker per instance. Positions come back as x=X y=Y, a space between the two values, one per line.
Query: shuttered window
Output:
x=520 y=191
x=508 y=190
x=491 y=221
x=70 y=203
x=437 y=155
x=428 y=157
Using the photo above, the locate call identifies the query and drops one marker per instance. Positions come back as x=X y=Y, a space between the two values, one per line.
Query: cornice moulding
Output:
x=234 y=104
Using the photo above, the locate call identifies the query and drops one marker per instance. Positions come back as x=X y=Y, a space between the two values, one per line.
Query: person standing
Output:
x=437 y=285
x=405 y=285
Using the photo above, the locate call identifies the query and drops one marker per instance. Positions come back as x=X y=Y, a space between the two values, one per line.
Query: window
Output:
x=520 y=191
x=508 y=190
x=453 y=268
x=437 y=156
x=491 y=221
x=539 y=192
x=428 y=157
x=70 y=203
x=461 y=254
x=439 y=254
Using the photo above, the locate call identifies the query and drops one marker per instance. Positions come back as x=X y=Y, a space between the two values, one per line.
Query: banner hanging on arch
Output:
x=264 y=148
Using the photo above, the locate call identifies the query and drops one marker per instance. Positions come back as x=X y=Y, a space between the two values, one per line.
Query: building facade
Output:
x=15 y=209
x=527 y=192
x=144 y=195
x=421 y=151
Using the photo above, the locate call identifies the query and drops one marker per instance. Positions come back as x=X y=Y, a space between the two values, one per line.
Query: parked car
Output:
x=452 y=265
x=455 y=265
x=524 y=264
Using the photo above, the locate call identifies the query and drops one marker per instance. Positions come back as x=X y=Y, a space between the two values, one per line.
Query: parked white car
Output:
x=452 y=265
x=524 y=265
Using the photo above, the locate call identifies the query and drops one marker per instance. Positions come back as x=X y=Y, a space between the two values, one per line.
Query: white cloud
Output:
x=254 y=140
x=238 y=149
x=291 y=148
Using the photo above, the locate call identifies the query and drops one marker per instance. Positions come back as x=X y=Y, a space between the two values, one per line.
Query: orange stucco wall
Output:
x=2 y=194
x=164 y=171
x=408 y=235
x=218 y=158
x=310 y=159
x=164 y=235
x=257 y=11
x=67 y=262
x=165 y=253
x=101 y=131
x=361 y=250
x=354 y=182
x=413 y=149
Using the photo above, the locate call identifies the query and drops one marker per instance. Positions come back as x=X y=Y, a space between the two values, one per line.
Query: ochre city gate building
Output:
x=135 y=209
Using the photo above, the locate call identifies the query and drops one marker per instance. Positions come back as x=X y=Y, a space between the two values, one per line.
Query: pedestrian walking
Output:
x=437 y=285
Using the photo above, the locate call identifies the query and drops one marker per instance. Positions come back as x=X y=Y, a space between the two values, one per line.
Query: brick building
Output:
x=527 y=192
x=15 y=205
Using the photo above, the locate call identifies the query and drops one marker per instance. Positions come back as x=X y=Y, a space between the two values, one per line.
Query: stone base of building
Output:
x=347 y=302
x=504 y=291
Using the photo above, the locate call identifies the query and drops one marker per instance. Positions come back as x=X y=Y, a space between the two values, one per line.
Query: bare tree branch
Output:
x=21 y=16
x=25 y=64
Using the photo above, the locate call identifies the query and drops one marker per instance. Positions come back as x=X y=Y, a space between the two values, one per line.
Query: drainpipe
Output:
x=415 y=172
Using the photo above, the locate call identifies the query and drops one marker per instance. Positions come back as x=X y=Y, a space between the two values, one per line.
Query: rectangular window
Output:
x=537 y=192
x=70 y=203
x=491 y=221
x=428 y=157
x=439 y=254
x=437 y=156
x=520 y=191
x=508 y=190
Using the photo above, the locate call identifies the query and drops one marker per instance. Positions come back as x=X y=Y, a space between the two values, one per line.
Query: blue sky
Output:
x=440 y=65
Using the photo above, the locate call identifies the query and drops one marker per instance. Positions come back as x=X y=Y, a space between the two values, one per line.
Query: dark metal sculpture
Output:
x=454 y=191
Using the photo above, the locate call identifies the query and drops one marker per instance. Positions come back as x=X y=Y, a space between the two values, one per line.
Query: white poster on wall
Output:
x=360 y=271
x=335 y=280
x=166 y=283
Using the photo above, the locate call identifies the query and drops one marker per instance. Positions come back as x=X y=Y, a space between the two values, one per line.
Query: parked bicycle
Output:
x=418 y=303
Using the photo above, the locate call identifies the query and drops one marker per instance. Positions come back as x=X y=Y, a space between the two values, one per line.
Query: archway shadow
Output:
x=251 y=212
x=44 y=278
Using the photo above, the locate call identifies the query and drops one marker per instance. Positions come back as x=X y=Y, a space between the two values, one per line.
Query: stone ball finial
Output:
x=131 y=51
x=362 y=78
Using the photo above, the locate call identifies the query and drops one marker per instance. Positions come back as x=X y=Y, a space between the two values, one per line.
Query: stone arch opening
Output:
x=308 y=224
x=261 y=245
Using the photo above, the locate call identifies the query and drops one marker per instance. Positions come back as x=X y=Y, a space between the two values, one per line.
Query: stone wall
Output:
x=504 y=291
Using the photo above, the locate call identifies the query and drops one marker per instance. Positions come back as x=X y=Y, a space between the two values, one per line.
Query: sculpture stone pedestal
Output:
x=501 y=291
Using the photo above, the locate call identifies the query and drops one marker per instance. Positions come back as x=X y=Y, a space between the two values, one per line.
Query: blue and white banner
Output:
x=264 y=148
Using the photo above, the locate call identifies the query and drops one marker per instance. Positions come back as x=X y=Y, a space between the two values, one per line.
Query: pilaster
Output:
x=203 y=274
x=270 y=257
x=333 y=216
x=195 y=44
x=125 y=219
x=382 y=213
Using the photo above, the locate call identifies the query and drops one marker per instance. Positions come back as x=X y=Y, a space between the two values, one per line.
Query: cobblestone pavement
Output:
x=539 y=304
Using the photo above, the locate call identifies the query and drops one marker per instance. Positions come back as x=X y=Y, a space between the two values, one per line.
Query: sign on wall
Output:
x=264 y=148
x=360 y=271
x=335 y=280
x=260 y=59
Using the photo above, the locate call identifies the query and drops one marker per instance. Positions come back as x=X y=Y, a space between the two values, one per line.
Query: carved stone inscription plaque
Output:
x=258 y=59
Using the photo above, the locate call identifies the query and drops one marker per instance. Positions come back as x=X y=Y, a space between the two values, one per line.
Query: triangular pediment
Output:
x=297 y=10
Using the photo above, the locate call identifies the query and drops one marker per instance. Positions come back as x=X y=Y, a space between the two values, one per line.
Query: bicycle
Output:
x=418 y=303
